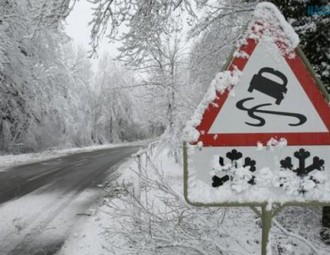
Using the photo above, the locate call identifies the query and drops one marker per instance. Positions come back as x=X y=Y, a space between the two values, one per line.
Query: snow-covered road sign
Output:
x=262 y=132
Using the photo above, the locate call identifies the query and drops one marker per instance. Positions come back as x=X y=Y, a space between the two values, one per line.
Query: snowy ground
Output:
x=165 y=224
x=38 y=223
x=11 y=160
x=90 y=234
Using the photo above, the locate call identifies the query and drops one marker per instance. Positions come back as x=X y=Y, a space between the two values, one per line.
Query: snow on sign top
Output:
x=262 y=131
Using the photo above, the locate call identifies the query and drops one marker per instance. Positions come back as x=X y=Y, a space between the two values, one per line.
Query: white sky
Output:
x=77 y=28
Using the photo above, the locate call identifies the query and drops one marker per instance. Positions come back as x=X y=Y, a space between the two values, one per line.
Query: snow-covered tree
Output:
x=155 y=40
x=113 y=114
x=28 y=61
x=39 y=103
x=79 y=95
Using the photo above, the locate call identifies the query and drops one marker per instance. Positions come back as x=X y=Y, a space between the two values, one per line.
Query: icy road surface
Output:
x=41 y=202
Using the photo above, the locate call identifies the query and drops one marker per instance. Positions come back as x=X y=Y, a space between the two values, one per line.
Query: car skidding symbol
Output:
x=272 y=88
x=256 y=109
x=269 y=86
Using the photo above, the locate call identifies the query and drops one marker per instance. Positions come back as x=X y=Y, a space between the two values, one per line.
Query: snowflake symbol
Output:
x=302 y=170
x=233 y=156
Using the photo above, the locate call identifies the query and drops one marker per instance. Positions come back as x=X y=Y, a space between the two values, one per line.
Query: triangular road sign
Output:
x=262 y=131
x=275 y=97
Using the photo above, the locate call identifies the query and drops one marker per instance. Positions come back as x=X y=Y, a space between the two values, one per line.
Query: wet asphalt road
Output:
x=61 y=180
x=73 y=172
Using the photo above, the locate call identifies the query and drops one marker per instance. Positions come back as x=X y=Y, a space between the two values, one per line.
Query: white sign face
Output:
x=265 y=63
x=214 y=177
x=267 y=141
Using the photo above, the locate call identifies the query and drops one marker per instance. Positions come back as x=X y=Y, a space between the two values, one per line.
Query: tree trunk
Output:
x=111 y=130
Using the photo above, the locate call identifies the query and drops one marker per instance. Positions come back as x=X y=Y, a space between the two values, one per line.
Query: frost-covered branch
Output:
x=296 y=236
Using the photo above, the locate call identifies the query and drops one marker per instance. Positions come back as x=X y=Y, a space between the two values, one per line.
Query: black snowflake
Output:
x=233 y=156
x=302 y=170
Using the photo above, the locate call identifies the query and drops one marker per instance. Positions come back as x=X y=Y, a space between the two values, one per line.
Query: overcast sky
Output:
x=77 y=28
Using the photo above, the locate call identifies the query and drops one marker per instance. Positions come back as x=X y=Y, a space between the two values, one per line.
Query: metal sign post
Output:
x=266 y=226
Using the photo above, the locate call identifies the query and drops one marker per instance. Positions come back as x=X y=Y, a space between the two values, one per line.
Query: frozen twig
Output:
x=296 y=236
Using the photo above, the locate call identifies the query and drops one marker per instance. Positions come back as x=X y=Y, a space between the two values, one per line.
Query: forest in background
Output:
x=50 y=96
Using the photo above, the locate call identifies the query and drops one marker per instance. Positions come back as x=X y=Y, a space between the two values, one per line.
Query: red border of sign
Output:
x=250 y=139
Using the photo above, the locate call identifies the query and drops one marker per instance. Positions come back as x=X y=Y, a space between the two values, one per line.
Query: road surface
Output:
x=41 y=202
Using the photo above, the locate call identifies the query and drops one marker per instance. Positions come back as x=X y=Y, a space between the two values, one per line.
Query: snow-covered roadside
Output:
x=40 y=221
x=11 y=160
x=177 y=228
x=89 y=235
